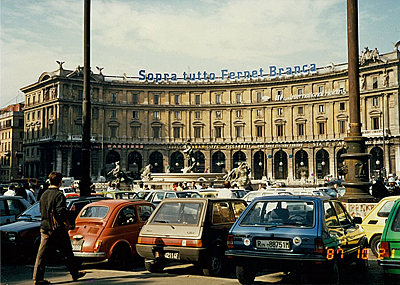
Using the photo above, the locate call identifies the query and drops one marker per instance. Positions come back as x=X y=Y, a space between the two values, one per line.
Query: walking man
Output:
x=54 y=231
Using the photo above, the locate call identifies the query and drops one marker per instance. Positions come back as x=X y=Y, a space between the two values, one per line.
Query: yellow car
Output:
x=375 y=221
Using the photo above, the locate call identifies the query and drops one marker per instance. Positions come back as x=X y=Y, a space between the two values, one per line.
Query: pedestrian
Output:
x=42 y=188
x=20 y=191
x=54 y=231
x=393 y=187
x=30 y=196
x=10 y=191
x=379 y=190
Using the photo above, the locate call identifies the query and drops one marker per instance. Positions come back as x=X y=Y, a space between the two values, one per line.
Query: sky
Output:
x=176 y=36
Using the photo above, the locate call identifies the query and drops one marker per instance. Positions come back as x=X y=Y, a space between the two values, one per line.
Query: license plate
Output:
x=273 y=244
x=171 y=255
x=76 y=246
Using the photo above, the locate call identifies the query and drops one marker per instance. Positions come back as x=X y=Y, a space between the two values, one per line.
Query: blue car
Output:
x=300 y=235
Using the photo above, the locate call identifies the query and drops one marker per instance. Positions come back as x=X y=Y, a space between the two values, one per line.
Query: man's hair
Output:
x=55 y=178
x=226 y=184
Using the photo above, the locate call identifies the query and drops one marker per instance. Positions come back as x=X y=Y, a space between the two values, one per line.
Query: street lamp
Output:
x=301 y=163
x=378 y=162
x=323 y=163
x=155 y=164
x=280 y=163
x=260 y=163
x=177 y=164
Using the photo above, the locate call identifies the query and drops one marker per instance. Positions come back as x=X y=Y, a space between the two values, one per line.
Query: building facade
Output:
x=288 y=124
x=11 y=142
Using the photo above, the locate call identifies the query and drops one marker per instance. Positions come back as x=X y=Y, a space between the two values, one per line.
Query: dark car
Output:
x=192 y=230
x=389 y=253
x=297 y=234
x=22 y=238
x=11 y=207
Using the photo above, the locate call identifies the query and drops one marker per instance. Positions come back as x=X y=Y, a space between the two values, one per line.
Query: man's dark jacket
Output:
x=54 y=199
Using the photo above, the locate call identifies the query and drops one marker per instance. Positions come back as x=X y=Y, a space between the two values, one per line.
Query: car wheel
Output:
x=336 y=273
x=375 y=244
x=120 y=257
x=361 y=263
x=154 y=265
x=214 y=264
x=245 y=274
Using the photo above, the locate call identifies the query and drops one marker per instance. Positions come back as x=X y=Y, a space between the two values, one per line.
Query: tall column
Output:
x=357 y=177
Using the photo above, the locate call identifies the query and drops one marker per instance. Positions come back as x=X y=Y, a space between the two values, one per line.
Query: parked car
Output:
x=108 y=230
x=22 y=238
x=375 y=221
x=209 y=193
x=11 y=207
x=156 y=196
x=330 y=191
x=192 y=230
x=297 y=234
x=389 y=254
x=130 y=195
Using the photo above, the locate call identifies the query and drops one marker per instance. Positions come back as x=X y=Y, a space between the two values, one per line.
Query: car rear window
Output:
x=396 y=221
x=178 y=213
x=94 y=212
x=284 y=213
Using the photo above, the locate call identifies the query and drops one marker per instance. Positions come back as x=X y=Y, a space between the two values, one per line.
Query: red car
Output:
x=108 y=230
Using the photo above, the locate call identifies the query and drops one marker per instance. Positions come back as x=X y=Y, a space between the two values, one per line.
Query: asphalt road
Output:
x=172 y=275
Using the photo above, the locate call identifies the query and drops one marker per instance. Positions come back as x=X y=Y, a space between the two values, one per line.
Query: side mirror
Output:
x=357 y=220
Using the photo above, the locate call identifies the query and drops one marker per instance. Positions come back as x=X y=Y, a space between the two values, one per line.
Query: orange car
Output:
x=108 y=230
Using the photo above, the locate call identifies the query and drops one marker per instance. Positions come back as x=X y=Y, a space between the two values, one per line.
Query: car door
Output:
x=336 y=235
x=127 y=226
x=353 y=232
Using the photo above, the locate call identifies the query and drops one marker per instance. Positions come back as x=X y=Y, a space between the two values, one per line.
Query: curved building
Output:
x=287 y=123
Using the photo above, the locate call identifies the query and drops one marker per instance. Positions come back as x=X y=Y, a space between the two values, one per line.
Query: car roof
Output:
x=179 y=200
x=116 y=202
x=293 y=197
x=11 y=197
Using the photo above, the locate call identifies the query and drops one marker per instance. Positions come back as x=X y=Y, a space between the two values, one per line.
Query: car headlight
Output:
x=11 y=236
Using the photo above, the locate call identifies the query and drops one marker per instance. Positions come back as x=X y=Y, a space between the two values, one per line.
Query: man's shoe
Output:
x=41 y=282
x=79 y=275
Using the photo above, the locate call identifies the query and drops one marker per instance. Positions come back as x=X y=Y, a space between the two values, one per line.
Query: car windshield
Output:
x=178 y=213
x=94 y=212
x=280 y=213
x=32 y=213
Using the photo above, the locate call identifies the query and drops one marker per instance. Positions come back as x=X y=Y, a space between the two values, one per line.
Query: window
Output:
x=375 y=101
x=79 y=110
x=300 y=91
x=259 y=112
x=127 y=216
x=218 y=98
x=238 y=113
x=300 y=129
x=218 y=114
x=177 y=132
x=259 y=96
x=156 y=99
x=238 y=97
x=300 y=110
x=279 y=130
x=156 y=115
x=222 y=213
x=38 y=114
x=239 y=131
x=113 y=130
x=218 y=132
x=342 y=127
x=113 y=113
x=197 y=132
x=342 y=106
x=374 y=82
x=331 y=220
x=321 y=108
x=135 y=98
x=259 y=131
x=341 y=86
x=80 y=94
x=280 y=111
x=321 y=128
x=156 y=132
x=177 y=115
x=197 y=115
x=28 y=116
x=375 y=123
x=135 y=114
x=135 y=132
x=320 y=89
x=177 y=99
x=113 y=97
x=198 y=99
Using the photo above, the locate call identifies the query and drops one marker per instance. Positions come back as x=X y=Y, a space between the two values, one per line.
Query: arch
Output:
x=280 y=165
x=376 y=161
x=218 y=162
x=340 y=162
x=301 y=164
x=135 y=164
x=260 y=164
x=200 y=162
x=322 y=160
x=177 y=162
x=156 y=160
x=238 y=157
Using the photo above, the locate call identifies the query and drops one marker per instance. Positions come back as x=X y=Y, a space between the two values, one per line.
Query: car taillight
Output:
x=73 y=208
x=229 y=241
x=97 y=245
x=170 y=241
x=319 y=246
x=384 y=251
